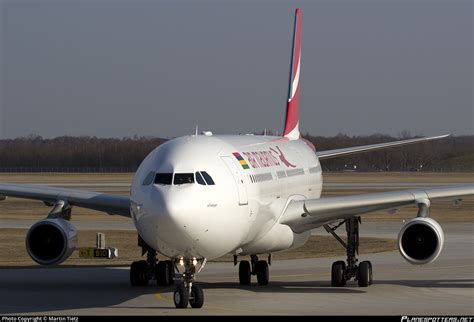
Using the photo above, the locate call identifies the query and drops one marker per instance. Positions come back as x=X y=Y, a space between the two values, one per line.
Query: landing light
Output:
x=195 y=261
x=181 y=261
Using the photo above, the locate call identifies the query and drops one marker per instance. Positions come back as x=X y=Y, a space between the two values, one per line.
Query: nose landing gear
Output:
x=186 y=291
x=141 y=272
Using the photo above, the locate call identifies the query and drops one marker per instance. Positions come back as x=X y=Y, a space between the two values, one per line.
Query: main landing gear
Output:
x=255 y=267
x=141 y=272
x=343 y=271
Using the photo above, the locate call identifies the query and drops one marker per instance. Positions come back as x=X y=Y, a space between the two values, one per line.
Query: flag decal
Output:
x=241 y=160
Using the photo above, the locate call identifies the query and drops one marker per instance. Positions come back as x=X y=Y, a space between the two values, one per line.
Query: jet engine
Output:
x=51 y=241
x=420 y=240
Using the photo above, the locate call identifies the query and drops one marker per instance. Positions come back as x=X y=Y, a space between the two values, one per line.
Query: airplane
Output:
x=199 y=197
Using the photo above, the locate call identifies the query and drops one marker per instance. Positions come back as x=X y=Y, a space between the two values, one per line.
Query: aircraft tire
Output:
x=245 y=273
x=139 y=273
x=163 y=273
x=181 y=297
x=263 y=274
x=338 y=271
x=364 y=274
x=197 y=297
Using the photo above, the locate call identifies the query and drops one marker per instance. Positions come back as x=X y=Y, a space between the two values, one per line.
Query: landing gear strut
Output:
x=141 y=272
x=255 y=267
x=343 y=271
x=187 y=292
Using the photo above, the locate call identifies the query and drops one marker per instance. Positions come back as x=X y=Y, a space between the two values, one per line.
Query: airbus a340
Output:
x=199 y=197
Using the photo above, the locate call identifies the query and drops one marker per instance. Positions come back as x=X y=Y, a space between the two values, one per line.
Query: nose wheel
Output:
x=196 y=299
x=181 y=296
x=186 y=291
x=343 y=271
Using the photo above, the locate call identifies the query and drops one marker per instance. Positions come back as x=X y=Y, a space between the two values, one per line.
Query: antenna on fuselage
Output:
x=197 y=130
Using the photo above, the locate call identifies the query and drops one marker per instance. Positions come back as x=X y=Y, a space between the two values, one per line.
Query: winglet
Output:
x=291 y=130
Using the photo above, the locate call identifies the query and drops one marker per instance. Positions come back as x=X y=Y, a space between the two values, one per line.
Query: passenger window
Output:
x=199 y=179
x=149 y=179
x=163 y=178
x=183 y=178
x=208 y=178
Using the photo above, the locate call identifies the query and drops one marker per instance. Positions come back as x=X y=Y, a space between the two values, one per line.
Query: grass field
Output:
x=12 y=240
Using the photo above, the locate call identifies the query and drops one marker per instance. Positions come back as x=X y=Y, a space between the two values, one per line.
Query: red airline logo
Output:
x=283 y=158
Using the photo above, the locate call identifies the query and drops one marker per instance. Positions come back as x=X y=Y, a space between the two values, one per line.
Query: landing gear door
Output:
x=238 y=179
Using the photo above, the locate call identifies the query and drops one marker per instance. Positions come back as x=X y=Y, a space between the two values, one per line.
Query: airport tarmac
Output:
x=300 y=287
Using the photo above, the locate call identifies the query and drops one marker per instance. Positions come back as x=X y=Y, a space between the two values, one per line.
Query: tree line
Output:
x=93 y=154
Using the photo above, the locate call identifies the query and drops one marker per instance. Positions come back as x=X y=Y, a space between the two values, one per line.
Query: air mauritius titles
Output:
x=263 y=159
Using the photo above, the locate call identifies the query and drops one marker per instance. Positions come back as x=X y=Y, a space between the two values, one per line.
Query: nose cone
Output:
x=179 y=225
x=177 y=221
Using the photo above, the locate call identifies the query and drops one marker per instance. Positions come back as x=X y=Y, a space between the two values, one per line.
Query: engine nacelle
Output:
x=420 y=240
x=51 y=241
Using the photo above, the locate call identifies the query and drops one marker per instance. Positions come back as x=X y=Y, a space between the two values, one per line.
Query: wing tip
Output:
x=440 y=136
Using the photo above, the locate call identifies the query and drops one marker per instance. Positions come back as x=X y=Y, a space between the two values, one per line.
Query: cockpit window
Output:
x=208 y=178
x=183 y=178
x=199 y=179
x=163 y=178
x=149 y=178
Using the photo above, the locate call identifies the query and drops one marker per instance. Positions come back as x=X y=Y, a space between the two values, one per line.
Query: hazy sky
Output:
x=119 y=68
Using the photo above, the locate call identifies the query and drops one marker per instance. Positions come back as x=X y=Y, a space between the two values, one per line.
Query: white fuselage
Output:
x=240 y=213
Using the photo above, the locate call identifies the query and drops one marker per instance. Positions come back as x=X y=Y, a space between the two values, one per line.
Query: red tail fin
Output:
x=293 y=109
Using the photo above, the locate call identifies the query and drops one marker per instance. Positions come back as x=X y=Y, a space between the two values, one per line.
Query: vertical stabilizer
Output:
x=291 y=130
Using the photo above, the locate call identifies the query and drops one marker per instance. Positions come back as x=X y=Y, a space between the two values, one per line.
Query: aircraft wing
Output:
x=303 y=215
x=112 y=204
x=322 y=155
